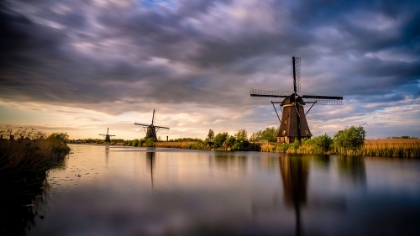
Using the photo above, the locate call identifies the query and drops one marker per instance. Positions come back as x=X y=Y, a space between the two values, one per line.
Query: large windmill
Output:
x=107 y=136
x=293 y=123
x=151 y=129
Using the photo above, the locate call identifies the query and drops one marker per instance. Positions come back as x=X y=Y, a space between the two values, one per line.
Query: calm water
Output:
x=147 y=191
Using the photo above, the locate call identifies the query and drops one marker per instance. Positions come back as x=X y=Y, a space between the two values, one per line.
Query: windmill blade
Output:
x=266 y=93
x=153 y=117
x=111 y=134
x=296 y=74
x=323 y=100
x=141 y=124
x=103 y=134
x=161 y=127
x=276 y=110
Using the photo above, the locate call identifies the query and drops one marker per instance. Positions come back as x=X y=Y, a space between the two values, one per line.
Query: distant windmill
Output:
x=107 y=136
x=293 y=123
x=151 y=129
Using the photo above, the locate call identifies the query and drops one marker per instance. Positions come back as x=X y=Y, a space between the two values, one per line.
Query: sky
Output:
x=80 y=66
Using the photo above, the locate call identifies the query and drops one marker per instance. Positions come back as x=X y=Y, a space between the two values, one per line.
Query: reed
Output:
x=182 y=144
x=24 y=161
x=395 y=147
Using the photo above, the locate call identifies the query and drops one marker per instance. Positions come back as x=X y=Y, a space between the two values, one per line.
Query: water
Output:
x=147 y=191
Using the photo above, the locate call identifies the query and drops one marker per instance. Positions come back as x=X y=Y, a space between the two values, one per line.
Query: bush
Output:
x=322 y=143
x=351 y=138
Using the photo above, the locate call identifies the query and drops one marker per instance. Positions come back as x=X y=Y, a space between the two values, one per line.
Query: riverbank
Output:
x=394 y=147
x=24 y=165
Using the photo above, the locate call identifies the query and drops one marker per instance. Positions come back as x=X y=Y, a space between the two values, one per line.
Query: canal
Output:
x=116 y=190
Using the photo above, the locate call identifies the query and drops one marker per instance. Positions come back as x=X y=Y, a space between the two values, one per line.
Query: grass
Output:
x=392 y=147
x=24 y=165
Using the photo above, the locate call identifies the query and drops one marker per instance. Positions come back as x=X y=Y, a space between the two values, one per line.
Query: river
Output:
x=117 y=190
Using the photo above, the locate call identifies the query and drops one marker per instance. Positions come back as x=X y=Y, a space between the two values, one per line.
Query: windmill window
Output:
x=284 y=132
x=306 y=131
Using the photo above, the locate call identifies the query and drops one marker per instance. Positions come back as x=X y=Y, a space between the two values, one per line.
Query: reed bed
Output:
x=395 y=147
x=182 y=144
x=24 y=161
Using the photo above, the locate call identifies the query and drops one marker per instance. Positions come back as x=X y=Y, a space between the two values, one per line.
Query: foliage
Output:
x=269 y=134
x=220 y=139
x=230 y=141
x=241 y=135
x=322 y=143
x=149 y=142
x=60 y=137
x=210 y=135
x=350 y=138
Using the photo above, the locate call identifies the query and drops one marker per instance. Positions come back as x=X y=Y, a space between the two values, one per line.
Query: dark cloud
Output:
x=206 y=53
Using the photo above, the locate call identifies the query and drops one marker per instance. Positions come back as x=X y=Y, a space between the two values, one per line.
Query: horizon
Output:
x=83 y=66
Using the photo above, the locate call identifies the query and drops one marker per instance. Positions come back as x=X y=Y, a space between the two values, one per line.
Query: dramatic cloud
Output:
x=195 y=61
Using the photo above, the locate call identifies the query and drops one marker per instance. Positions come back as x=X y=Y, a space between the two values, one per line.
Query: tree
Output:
x=269 y=134
x=350 y=138
x=230 y=141
x=241 y=135
x=210 y=135
x=220 y=139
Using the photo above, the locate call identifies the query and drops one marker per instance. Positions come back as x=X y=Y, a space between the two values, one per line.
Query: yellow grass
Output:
x=395 y=147
x=184 y=144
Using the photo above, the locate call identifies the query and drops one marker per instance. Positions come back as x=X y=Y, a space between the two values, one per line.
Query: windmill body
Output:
x=293 y=112
x=151 y=129
x=293 y=124
x=107 y=136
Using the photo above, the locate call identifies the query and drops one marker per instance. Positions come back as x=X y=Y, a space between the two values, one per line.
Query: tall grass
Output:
x=24 y=160
x=23 y=167
x=395 y=147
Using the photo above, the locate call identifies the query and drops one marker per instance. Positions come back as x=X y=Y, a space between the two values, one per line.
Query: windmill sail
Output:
x=151 y=129
x=293 y=124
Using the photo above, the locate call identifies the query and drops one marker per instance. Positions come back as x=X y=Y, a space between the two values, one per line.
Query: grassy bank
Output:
x=396 y=147
x=22 y=159
x=24 y=165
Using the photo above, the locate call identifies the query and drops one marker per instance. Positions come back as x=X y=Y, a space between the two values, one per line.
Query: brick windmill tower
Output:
x=293 y=124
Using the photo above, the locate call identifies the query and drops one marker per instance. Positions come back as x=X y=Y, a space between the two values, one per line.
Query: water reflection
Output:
x=228 y=161
x=21 y=206
x=294 y=173
x=150 y=160
x=106 y=155
x=352 y=168
x=217 y=193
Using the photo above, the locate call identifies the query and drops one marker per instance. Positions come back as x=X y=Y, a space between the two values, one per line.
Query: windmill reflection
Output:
x=106 y=155
x=150 y=160
x=294 y=173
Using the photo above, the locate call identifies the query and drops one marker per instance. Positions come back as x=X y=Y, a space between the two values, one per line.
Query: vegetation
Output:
x=24 y=164
x=347 y=142
x=23 y=159
x=268 y=135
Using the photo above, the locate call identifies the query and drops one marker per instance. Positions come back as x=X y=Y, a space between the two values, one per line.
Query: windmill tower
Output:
x=107 y=136
x=151 y=129
x=293 y=124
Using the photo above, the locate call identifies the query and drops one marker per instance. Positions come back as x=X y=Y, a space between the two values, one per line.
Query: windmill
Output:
x=107 y=136
x=151 y=129
x=293 y=123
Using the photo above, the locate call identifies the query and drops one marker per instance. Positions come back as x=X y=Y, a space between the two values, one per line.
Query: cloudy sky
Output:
x=80 y=66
